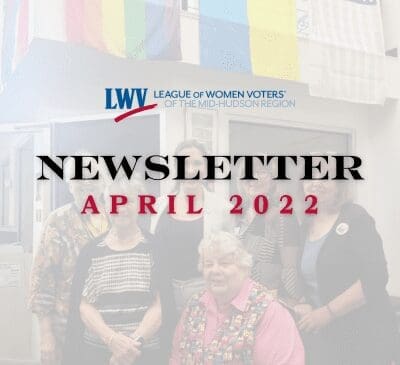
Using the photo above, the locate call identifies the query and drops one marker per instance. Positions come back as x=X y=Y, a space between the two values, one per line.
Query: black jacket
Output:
x=353 y=251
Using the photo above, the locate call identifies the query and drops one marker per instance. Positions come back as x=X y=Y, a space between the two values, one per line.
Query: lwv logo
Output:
x=133 y=99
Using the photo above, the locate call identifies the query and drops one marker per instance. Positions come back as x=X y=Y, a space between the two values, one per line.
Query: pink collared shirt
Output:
x=277 y=340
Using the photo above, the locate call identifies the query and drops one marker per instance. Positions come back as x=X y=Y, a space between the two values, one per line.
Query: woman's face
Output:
x=195 y=163
x=222 y=274
x=127 y=214
x=81 y=190
x=326 y=191
x=261 y=186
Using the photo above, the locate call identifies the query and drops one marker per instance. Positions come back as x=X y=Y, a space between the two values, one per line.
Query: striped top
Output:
x=120 y=285
x=268 y=241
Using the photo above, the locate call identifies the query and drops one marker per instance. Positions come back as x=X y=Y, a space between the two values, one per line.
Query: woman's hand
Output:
x=315 y=320
x=48 y=351
x=124 y=350
x=302 y=309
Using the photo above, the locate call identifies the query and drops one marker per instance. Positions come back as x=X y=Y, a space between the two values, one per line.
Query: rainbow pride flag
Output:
x=15 y=35
x=257 y=36
x=139 y=29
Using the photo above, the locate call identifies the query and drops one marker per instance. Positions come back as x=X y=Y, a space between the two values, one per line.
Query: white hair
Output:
x=226 y=243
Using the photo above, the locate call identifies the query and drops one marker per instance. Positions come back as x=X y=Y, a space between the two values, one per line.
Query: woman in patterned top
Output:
x=272 y=239
x=234 y=321
x=64 y=234
x=119 y=304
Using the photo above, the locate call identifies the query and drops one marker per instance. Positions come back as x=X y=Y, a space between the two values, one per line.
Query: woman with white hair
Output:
x=234 y=321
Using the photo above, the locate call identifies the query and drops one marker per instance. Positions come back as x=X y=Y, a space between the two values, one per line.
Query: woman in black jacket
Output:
x=348 y=318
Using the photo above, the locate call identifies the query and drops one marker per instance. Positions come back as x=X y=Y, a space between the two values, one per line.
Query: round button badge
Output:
x=342 y=228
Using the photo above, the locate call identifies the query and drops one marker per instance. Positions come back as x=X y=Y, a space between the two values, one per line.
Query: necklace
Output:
x=114 y=242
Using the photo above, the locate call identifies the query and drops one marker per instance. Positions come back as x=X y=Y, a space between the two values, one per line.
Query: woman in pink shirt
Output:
x=233 y=321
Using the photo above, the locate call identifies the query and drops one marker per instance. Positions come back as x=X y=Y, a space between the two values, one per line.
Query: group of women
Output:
x=210 y=289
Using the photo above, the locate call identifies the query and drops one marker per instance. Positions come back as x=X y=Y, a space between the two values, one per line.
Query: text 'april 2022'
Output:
x=146 y=204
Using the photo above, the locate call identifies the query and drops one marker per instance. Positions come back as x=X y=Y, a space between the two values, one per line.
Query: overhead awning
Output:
x=335 y=47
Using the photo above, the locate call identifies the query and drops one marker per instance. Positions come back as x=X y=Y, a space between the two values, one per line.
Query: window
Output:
x=7 y=216
x=390 y=13
x=200 y=125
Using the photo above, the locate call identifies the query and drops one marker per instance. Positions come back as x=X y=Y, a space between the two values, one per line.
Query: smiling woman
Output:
x=224 y=264
x=116 y=310
x=233 y=320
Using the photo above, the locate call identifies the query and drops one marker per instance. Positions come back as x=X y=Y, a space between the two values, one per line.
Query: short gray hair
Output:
x=227 y=243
